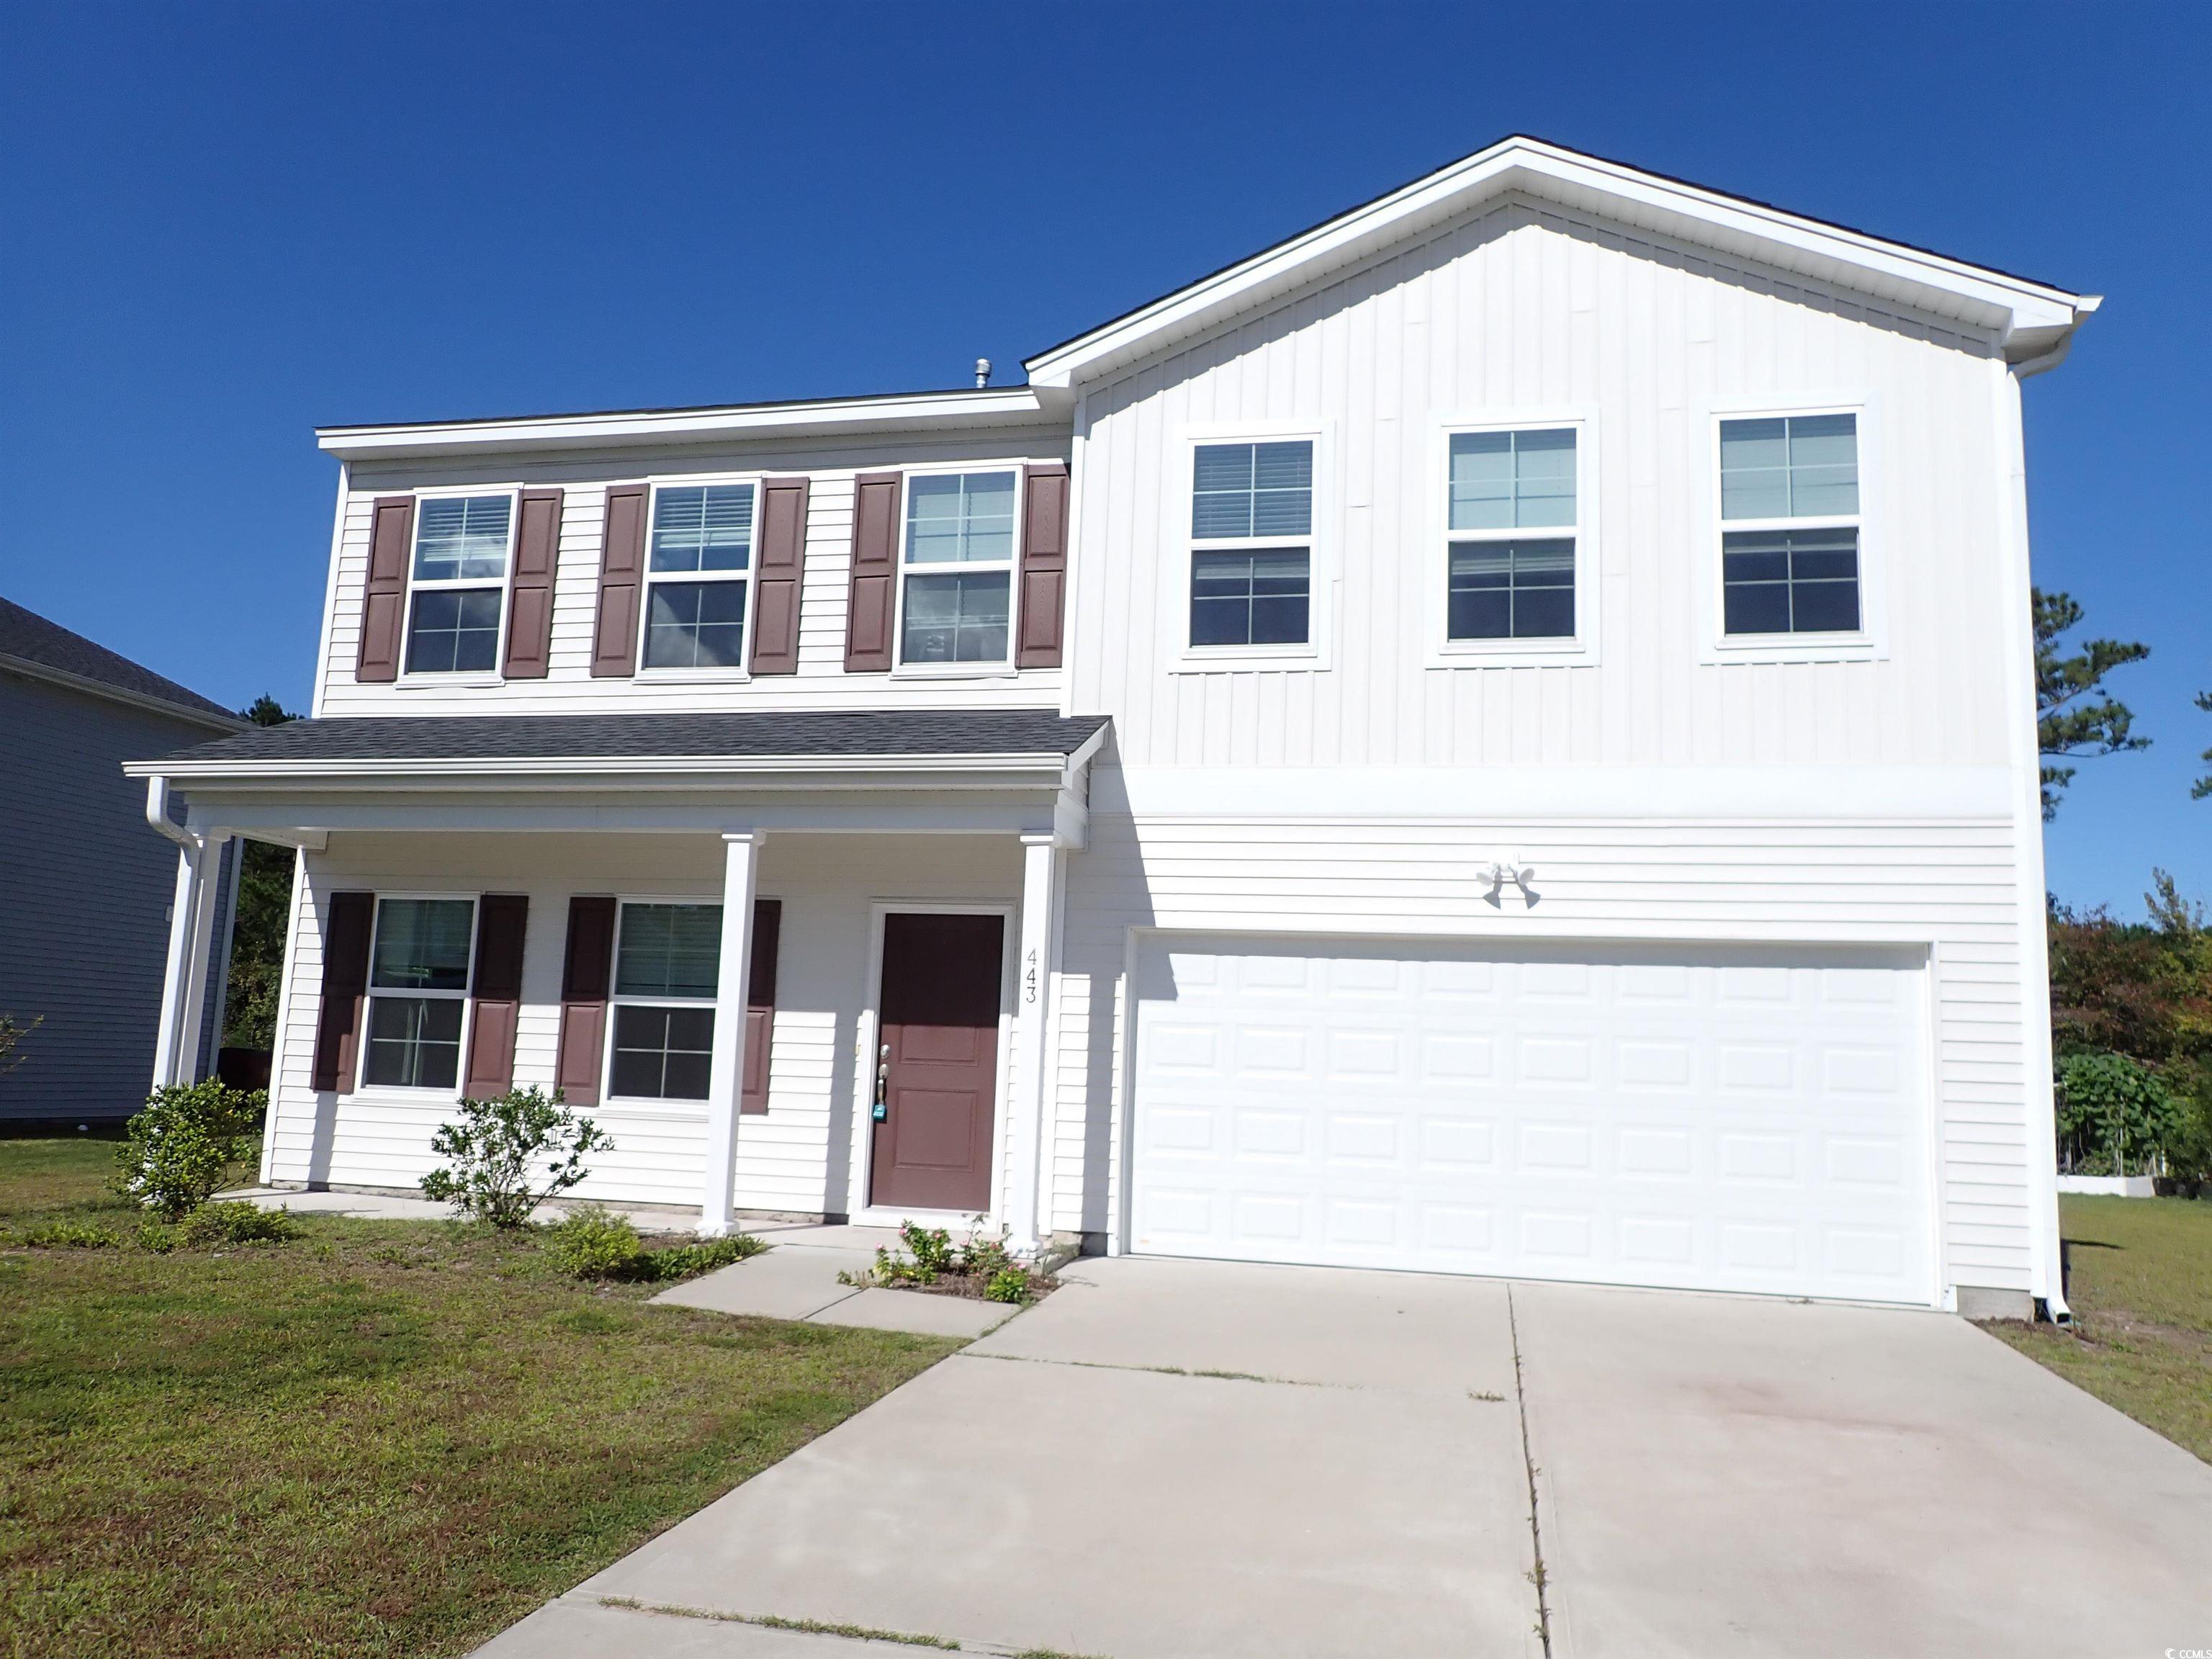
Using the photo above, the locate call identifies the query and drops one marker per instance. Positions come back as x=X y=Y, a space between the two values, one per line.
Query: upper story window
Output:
x=1512 y=522
x=699 y=569
x=459 y=583
x=418 y=987
x=668 y=960
x=1251 y=529
x=957 y=570
x=1790 y=525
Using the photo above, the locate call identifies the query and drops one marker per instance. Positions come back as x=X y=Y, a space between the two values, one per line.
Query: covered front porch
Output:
x=806 y=971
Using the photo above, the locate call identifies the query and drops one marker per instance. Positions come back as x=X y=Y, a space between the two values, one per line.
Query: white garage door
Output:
x=1725 y=1119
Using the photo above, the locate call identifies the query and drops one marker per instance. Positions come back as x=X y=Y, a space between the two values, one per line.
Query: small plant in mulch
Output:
x=981 y=1269
x=593 y=1243
x=508 y=1155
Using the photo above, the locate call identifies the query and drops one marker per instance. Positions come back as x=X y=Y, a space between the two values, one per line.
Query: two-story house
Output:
x=1495 y=736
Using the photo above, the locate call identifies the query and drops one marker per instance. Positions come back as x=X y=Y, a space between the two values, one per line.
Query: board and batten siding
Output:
x=84 y=906
x=1526 y=309
x=796 y=1158
x=568 y=688
x=1945 y=881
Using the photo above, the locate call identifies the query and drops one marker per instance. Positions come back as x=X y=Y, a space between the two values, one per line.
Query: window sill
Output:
x=989 y=670
x=1794 y=647
x=1514 y=653
x=462 y=681
x=1233 y=658
x=692 y=676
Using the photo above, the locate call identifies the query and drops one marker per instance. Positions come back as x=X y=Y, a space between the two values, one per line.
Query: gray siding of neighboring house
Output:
x=84 y=899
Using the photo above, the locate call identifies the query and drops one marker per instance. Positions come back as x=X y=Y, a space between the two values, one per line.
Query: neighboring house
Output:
x=88 y=902
x=1494 y=735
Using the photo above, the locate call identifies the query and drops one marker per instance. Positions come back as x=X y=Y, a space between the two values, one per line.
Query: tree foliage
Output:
x=2143 y=991
x=263 y=912
x=2074 y=714
x=2204 y=784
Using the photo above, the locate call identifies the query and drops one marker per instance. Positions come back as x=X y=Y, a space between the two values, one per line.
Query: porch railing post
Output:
x=1041 y=858
x=727 y=1071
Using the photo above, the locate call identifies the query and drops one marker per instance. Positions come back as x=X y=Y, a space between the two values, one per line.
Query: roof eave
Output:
x=2009 y=306
x=983 y=407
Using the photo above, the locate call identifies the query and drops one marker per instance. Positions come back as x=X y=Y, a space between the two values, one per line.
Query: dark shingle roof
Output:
x=29 y=638
x=660 y=737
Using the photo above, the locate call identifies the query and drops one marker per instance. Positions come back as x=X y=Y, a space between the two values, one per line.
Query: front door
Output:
x=937 y=1062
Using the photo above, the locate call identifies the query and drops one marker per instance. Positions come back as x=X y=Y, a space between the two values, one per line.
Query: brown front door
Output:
x=939 y=1054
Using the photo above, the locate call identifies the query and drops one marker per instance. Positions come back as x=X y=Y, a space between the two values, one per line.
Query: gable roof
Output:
x=31 y=645
x=2033 y=319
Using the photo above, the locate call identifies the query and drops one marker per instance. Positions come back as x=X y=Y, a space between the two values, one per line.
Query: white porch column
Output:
x=192 y=900
x=206 y=923
x=727 y=1071
x=1042 y=862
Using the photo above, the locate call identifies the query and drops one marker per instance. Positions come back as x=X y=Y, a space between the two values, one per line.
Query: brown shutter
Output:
x=779 y=570
x=497 y=988
x=622 y=578
x=760 y=1003
x=1044 y=565
x=345 y=987
x=870 y=606
x=529 y=610
x=584 y=977
x=383 y=599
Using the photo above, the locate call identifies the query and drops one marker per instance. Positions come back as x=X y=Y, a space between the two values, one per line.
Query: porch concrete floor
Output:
x=1207 y=1460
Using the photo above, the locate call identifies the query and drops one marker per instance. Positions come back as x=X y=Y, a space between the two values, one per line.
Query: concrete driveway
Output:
x=1173 y=1460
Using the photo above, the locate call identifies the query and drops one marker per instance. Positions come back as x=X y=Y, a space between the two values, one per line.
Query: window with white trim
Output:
x=1511 y=528
x=668 y=961
x=698 y=569
x=1251 y=530
x=956 y=568
x=458 y=583
x=418 y=991
x=1790 y=525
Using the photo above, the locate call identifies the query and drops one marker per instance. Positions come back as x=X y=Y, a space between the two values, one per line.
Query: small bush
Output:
x=683 y=1261
x=237 y=1223
x=156 y=1238
x=511 y=1154
x=1008 y=1284
x=182 y=1144
x=595 y=1243
x=68 y=1236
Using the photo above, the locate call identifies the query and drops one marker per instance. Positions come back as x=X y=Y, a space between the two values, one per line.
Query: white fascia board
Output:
x=935 y=411
x=2009 y=305
x=815 y=771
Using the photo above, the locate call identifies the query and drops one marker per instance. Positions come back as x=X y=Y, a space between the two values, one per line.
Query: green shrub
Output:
x=182 y=1144
x=157 y=1238
x=511 y=1154
x=2115 y=1112
x=238 y=1223
x=683 y=1261
x=1008 y=1284
x=68 y=1236
x=595 y=1243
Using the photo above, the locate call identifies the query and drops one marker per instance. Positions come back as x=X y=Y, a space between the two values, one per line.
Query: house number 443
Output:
x=1030 y=978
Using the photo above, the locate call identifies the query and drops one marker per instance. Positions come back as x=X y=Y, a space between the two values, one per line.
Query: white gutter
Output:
x=250 y=772
x=997 y=406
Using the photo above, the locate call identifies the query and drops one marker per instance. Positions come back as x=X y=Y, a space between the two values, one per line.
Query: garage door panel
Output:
x=1746 y=1119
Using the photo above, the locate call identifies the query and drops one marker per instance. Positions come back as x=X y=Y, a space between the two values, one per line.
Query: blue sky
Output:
x=226 y=224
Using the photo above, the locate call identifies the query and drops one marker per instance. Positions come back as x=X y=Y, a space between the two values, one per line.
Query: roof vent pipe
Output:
x=982 y=373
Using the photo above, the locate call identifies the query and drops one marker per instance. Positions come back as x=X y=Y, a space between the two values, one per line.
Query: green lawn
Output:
x=2141 y=1289
x=380 y=1438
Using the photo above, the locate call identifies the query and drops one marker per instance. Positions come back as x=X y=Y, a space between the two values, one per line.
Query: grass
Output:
x=384 y=1439
x=2140 y=1288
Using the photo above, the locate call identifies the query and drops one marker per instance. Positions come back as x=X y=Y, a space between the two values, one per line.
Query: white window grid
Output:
x=418 y=585
x=907 y=567
x=1726 y=526
x=617 y=999
x=748 y=577
x=1303 y=653
x=410 y=993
